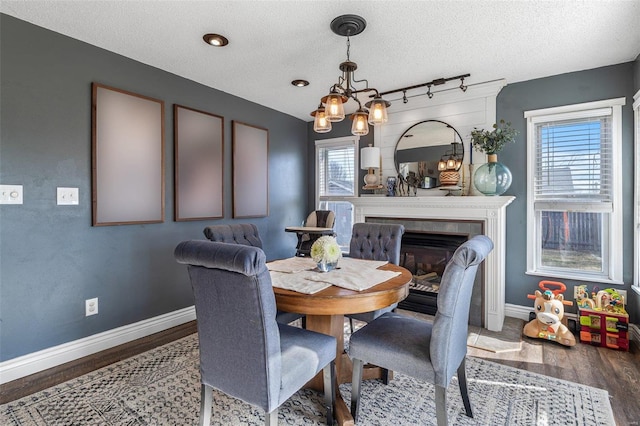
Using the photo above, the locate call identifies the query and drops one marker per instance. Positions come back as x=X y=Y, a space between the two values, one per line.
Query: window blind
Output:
x=574 y=163
x=336 y=170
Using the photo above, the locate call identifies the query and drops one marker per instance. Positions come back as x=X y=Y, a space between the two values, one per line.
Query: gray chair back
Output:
x=236 y=312
x=235 y=233
x=376 y=241
x=450 y=326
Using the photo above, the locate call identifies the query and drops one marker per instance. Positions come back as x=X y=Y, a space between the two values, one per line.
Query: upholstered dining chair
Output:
x=244 y=351
x=316 y=219
x=245 y=234
x=425 y=350
x=375 y=241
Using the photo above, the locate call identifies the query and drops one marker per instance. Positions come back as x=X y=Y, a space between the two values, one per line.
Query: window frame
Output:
x=338 y=142
x=612 y=229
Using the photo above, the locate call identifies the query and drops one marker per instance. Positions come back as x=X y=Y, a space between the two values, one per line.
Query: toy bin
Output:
x=603 y=328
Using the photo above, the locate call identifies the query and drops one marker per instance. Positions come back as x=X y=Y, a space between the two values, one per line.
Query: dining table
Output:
x=356 y=286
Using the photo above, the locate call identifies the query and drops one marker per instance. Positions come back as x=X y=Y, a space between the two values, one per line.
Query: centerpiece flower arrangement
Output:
x=493 y=178
x=325 y=251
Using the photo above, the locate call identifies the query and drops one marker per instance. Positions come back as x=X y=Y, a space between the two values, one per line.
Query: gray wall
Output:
x=584 y=86
x=636 y=74
x=51 y=258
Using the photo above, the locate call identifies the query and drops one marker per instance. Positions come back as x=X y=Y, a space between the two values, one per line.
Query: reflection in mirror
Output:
x=427 y=148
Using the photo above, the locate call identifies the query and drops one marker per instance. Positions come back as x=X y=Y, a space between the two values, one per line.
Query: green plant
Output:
x=492 y=141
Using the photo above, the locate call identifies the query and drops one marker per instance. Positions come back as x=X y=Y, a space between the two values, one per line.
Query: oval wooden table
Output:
x=325 y=312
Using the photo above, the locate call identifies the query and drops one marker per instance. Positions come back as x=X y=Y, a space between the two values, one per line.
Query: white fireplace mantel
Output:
x=490 y=210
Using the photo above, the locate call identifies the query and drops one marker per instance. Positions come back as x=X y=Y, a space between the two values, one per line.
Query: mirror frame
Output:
x=395 y=151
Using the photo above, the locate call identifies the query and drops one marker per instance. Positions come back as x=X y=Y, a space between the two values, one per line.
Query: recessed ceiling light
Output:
x=300 y=83
x=216 y=40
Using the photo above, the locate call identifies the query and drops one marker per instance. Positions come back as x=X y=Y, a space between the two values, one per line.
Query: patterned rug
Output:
x=162 y=387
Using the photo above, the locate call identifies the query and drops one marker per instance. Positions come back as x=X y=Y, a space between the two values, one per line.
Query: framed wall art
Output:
x=127 y=135
x=250 y=170
x=199 y=159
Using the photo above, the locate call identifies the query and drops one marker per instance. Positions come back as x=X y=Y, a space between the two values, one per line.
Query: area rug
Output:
x=161 y=387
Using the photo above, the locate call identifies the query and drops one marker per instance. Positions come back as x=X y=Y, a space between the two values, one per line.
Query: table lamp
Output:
x=370 y=159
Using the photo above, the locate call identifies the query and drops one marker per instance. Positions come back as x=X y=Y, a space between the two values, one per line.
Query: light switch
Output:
x=67 y=196
x=10 y=194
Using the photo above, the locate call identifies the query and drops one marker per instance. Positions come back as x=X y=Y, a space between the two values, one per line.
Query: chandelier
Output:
x=331 y=108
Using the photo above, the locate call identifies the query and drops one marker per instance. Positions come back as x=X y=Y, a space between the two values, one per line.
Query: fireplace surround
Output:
x=450 y=214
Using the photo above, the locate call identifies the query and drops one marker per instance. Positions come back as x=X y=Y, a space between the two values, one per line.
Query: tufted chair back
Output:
x=376 y=241
x=245 y=234
x=244 y=351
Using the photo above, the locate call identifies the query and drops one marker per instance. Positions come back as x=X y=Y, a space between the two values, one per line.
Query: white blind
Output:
x=336 y=169
x=574 y=162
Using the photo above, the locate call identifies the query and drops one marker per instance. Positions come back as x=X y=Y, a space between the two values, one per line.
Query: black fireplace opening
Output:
x=426 y=255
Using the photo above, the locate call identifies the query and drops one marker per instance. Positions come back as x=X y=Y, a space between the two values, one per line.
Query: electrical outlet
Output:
x=91 y=306
x=623 y=294
x=67 y=196
x=10 y=194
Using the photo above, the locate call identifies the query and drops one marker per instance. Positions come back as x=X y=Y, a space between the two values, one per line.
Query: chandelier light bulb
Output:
x=334 y=108
x=360 y=126
x=320 y=122
x=451 y=163
x=377 y=112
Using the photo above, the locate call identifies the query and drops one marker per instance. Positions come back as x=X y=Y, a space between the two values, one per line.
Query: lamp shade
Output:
x=370 y=157
x=360 y=127
x=334 y=107
x=320 y=122
x=377 y=111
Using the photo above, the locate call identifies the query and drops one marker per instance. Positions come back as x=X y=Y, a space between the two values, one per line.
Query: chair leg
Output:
x=206 y=403
x=356 y=383
x=329 y=378
x=441 y=405
x=351 y=324
x=385 y=376
x=462 y=381
x=271 y=419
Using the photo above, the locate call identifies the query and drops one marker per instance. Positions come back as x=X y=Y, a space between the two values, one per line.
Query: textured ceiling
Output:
x=405 y=42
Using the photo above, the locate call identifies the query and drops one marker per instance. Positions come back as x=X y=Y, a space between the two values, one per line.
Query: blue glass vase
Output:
x=492 y=178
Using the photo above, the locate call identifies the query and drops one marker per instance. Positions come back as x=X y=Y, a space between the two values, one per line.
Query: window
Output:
x=336 y=172
x=636 y=211
x=574 y=199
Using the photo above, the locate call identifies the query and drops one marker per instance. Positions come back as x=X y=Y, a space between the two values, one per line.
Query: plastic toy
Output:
x=549 y=308
x=582 y=298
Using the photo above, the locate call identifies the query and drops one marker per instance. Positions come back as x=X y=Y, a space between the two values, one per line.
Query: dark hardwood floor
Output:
x=617 y=372
x=44 y=379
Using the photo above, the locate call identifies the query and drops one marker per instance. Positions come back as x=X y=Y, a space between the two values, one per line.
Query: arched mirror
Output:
x=426 y=149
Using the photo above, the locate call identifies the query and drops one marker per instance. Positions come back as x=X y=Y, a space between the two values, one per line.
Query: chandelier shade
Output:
x=377 y=111
x=320 y=122
x=334 y=106
x=360 y=126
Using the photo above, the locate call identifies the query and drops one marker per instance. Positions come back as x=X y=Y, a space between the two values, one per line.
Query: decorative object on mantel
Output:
x=450 y=163
x=370 y=160
x=375 y=112
x=391 y=186
x=326 y=253
x=493 y=178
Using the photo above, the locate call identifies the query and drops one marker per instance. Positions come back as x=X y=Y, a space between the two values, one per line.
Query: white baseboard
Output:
x=517 y=311
x=47 y=358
